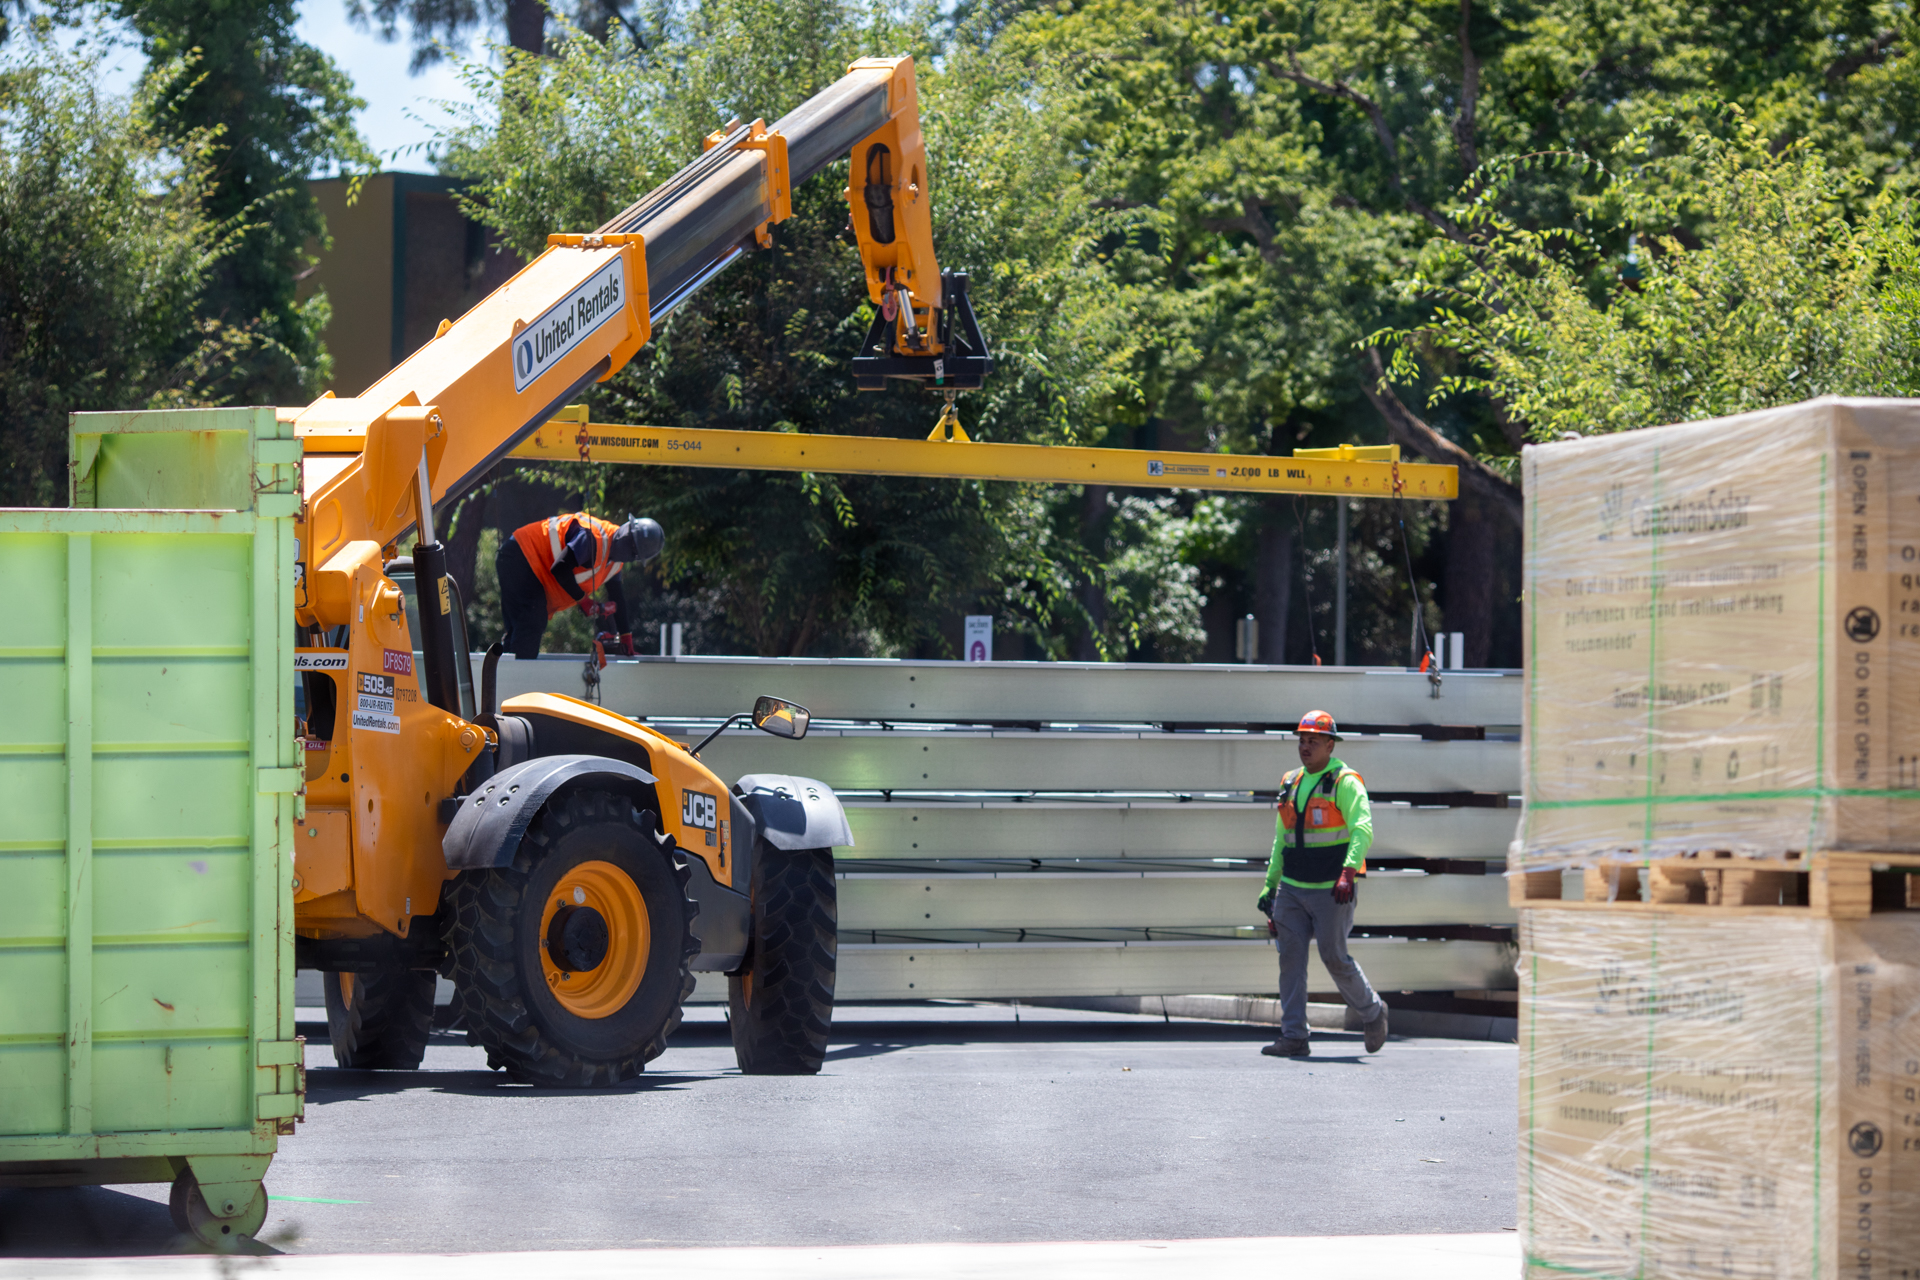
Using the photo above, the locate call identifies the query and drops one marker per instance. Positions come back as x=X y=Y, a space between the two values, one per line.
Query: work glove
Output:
x=1343 y=887
x=621 y=644
x=1266 y=904
x=597 y=609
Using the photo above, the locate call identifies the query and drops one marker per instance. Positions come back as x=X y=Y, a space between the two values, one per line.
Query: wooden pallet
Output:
x=1833 y=885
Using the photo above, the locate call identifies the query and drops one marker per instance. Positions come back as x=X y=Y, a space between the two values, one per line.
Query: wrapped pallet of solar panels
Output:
x=1727 y=1093
x=1723 y=641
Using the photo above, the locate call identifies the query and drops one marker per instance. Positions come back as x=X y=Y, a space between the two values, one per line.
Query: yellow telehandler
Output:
x=570 y=869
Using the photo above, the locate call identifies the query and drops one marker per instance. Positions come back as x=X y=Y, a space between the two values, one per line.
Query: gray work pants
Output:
x=1311 y=915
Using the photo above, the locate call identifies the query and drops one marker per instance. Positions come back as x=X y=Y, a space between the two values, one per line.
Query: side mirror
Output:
x=780 y=718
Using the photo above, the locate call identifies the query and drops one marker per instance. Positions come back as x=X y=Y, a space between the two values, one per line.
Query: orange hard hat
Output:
x=1319 y=722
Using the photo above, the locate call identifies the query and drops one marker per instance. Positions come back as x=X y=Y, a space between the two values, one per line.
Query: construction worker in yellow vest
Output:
x=1319 y=847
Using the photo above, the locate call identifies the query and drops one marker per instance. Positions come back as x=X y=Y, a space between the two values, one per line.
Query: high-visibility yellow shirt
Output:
x=1350 y=795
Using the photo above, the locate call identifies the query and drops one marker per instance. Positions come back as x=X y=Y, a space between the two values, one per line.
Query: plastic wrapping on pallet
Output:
x=1733 y=1096
x=1723 y=637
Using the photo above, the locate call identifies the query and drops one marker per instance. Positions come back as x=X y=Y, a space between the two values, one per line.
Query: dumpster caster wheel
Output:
x=195 y=1217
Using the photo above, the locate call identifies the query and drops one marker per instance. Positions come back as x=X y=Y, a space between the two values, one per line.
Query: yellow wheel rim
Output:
x=605 y=989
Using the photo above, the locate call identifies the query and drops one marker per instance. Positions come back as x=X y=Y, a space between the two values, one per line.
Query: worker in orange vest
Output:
x=557 y=564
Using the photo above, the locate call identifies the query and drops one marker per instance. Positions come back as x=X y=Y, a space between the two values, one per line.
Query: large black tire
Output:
x=496 y=947
x=379 y=1021
x=780 y=1006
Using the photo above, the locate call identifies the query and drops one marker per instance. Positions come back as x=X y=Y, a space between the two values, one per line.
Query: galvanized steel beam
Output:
x=1066 y=900
x=1160 y=832
x=1023 y=692
x=1018 y=761
x=1017 y=970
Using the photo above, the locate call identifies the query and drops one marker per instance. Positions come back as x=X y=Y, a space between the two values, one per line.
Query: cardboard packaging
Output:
x=1723 y=637
x=1729 y=1097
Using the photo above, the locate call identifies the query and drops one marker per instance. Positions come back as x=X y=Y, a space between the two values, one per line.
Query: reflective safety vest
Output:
x=1316 y=846
x=543 y=543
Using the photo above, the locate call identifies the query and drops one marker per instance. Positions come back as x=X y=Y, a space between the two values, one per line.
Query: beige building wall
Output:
x=404 y=256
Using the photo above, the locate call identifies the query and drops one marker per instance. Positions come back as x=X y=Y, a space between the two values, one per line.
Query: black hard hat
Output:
x=638 y=540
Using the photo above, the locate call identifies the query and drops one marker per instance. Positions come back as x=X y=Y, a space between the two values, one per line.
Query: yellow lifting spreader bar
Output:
x=1359 y=471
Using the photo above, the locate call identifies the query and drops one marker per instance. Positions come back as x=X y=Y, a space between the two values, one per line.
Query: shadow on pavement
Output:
x=96 y=1222
x=335 y=1084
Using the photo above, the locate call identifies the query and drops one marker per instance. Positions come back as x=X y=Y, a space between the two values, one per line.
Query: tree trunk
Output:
x=527 y=25
x=1273 y=585
x=1473 y=537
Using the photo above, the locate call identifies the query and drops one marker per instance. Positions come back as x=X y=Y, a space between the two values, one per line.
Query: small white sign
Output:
x=566 y=324
x=979 y=645
x=376 y=721
x=333 y=661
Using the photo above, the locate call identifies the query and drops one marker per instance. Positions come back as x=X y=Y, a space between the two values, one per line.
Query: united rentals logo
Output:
x=564 y=326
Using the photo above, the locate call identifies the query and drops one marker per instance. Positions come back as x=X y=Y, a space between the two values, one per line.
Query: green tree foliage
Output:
x=1290 y=160
x=1187 y=226
x=270 y=110
x=105 y=249
x=1773 y=295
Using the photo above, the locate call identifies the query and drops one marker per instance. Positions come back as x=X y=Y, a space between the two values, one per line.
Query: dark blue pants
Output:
x=523 y=601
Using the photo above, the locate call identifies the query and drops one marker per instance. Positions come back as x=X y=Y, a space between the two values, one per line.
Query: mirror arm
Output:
x=723 y=727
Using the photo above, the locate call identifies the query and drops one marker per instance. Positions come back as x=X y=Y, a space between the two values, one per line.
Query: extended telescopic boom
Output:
x=377 y=462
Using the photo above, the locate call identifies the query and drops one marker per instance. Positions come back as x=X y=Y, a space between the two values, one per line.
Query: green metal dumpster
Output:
x=149 y=774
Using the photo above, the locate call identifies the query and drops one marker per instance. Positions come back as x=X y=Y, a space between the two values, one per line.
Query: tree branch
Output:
x=1464 y=123
x=1873 y=53
x=1405 y=429
x=1251 y=221
x=1342 y=90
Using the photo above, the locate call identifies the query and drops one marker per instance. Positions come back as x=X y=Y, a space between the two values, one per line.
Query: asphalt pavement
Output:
x=932 y=1124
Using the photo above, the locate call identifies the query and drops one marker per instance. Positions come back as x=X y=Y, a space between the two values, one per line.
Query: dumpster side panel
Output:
x=149 y=770
x=33 y=793
x=172 y=821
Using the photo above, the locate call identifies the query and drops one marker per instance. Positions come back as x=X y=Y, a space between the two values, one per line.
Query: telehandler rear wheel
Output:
x=379 y=1021
x=572 y=963
x=780 y=1007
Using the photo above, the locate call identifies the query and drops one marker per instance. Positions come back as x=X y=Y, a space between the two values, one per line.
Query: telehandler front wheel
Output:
x=572 y=963
x=379 y=1021
x=780 y=1006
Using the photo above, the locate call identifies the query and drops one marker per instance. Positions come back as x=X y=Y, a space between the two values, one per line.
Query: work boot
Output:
x=1377 y=1030
x=1285 y=1048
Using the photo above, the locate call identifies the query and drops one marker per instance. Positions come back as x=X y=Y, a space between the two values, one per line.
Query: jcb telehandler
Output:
x=570 y=869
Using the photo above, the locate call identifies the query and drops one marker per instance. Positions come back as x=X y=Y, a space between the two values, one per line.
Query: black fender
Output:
x=795 y=812
x=491 y=820
x=487 y=829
